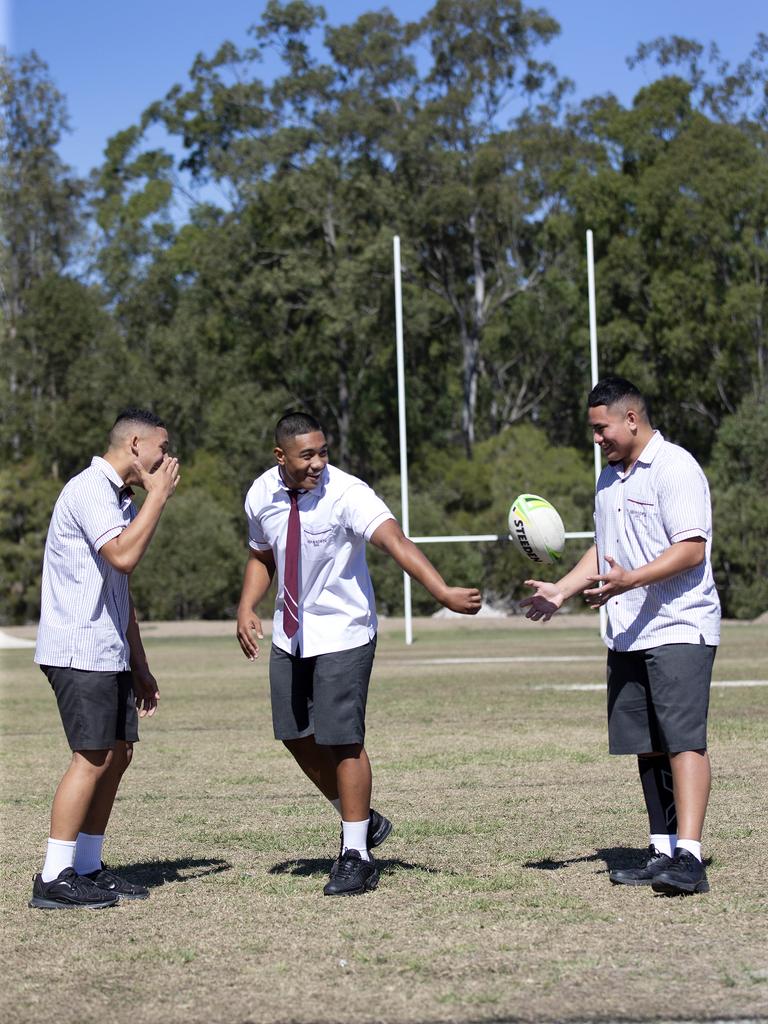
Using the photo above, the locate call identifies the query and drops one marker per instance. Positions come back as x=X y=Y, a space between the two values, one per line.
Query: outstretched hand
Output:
x=544 y=603
x=465 y=600
x=247 y=625
x=617 y=581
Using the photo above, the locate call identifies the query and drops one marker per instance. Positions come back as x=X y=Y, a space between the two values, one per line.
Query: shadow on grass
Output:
x=614 y=857
x=310 y=866
x=158 y=872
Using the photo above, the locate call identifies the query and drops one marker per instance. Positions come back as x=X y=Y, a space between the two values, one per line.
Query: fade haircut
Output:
x=131 y=417
x=618 y=391
x=293 y=424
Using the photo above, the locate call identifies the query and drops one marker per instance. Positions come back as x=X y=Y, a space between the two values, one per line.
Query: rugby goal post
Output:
x=402 y=424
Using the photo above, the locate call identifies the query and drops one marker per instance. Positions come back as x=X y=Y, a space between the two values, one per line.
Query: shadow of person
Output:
x=613 y=857
x=158 y=872
x=308 y=867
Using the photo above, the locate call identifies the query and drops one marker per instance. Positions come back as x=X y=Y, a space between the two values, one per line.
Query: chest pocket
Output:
x=317 y=545
x=645 y=525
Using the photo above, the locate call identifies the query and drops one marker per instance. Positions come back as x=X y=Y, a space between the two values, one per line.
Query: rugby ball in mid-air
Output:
x=537 y=529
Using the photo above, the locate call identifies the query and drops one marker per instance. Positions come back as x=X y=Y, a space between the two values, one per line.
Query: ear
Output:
x=280 y=456
x=632 y=419
x=134 y=444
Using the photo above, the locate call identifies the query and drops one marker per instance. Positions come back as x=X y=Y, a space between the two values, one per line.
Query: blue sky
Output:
x=111 y=58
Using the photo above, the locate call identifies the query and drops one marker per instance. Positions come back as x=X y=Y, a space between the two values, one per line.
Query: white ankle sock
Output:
x=691 y=845
x=356 y=837
x=88 y=853
x=664 y=843
x=337 y=804
x=59 y=854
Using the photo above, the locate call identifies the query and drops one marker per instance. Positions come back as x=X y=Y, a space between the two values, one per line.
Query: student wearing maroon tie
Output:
x=309 y=522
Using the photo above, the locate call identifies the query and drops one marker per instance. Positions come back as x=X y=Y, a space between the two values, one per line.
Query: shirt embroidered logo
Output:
x=291 y=581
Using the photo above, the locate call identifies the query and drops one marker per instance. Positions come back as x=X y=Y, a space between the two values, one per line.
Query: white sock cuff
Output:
x=664 y=843
x=356 y=836
x=691 y=845
x=59 y=854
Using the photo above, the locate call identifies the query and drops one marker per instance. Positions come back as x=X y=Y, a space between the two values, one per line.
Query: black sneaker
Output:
x=685 y=875
x=645 y=874
x=379 y=828
x=108 y=881
x=351 y=875
x=69 y=890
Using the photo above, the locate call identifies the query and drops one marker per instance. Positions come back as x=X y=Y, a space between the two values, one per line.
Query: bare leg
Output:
x=76 y=791
x=691 y=778
x=96 y=820
x=353 y=774
x=317 y=763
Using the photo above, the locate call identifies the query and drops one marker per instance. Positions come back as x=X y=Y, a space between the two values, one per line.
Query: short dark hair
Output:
x=295 y=423
x=613 y=390
x=133 y=415
x=141 y=417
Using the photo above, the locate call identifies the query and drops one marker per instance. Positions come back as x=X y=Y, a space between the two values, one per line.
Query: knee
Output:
x=122 y=756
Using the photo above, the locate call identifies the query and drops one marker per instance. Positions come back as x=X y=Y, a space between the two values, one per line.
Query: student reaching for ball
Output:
x=309 y=523
x=653 y=528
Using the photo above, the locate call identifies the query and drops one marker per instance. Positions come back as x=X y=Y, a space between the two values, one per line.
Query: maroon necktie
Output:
x=291 y=573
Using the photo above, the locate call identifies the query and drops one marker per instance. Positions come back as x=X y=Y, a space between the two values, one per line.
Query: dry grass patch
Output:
x=494 y=901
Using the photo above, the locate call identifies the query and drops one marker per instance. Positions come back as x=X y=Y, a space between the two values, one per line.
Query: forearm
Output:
x=417 y=565
x=578 y=578
x=126 y=550
x=257 y=580
x=677 y=558
x=133 y=636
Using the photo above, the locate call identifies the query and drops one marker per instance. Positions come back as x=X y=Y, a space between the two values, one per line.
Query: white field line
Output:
x=588 y=687
x=498 y=661
x=597 y=687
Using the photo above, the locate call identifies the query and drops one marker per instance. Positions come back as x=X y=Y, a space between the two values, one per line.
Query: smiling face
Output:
x=620 y=430
x=302 y=460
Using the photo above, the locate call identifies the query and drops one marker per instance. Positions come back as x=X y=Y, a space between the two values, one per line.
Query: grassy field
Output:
x=494 y=902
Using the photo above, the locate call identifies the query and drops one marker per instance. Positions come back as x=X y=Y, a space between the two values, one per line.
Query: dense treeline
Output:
x=248 y=269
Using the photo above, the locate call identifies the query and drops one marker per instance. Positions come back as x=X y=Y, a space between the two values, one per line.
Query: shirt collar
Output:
x=112 y=475
x=646 y=456
x=651 y=450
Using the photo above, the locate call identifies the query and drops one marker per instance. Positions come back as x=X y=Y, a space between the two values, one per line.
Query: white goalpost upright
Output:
x=401 y=409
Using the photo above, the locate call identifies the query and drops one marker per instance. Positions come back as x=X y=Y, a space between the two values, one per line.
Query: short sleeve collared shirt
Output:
x=663 y=499
x=84 y=602
x=336 y=601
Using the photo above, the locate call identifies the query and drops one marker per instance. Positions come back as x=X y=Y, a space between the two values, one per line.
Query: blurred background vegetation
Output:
x=220 y=315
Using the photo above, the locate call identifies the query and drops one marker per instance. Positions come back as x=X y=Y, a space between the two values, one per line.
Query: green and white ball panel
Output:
x=536 y=528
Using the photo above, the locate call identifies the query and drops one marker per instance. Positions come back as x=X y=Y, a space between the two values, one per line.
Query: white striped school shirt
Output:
x=85 y=604
x=663 y=499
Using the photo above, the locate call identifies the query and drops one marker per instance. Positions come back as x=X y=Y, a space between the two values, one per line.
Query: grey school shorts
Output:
x=96 y=708
x=325 y=695
x=658 y=699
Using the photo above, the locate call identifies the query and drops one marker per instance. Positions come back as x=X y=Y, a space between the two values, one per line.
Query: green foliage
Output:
x=454 y=495
x=739 y=478
x=194 y=566
x=27 y=497
x=449 y=131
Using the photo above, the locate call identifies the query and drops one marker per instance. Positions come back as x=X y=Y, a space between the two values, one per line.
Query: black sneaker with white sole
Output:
x=351 y=875
x=109 y=882
x=684 y=876
x=68 y=891
x=645 y=874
